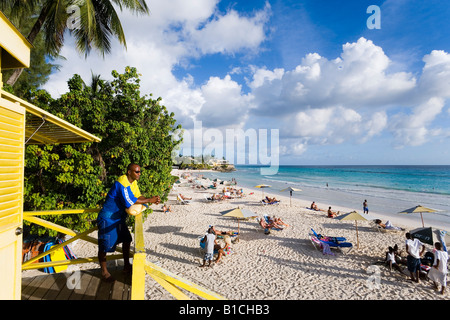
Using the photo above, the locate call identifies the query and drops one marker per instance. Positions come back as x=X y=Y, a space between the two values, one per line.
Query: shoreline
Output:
x=407 y=221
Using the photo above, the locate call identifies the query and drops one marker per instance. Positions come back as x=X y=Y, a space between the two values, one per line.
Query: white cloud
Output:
x=359 y=78
x=412 y=129
x=231 y=32
x=435 y=78
x=349 y=98
x=225 y=105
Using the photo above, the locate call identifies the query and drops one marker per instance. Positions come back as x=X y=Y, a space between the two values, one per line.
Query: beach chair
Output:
x=320 y=245
x=181 y=200
x=331 y=242
x=337 y=239
x=266 y=230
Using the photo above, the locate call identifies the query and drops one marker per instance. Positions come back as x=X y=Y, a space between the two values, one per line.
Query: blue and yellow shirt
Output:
x=122 y=195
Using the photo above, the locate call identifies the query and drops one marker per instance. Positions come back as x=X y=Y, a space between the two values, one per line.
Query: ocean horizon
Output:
x=388 y=189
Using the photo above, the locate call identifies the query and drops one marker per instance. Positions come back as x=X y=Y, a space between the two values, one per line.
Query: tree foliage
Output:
x=133 y=128
x=41 y=64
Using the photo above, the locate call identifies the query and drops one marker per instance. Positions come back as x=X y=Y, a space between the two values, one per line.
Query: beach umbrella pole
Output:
x=421 y=216
x=357 y=237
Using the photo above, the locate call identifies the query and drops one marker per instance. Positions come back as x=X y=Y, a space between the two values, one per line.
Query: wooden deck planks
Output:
x=86 y=285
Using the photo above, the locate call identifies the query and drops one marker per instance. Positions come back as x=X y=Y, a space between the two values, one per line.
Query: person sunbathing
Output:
x=270 y=200
x=184 y=198
x=278 y=222
x=388 y=225
x=315 y=207
x=274 y=223
x=264 y=224
x=166 y=209
x=332 y=214
x=218 y=232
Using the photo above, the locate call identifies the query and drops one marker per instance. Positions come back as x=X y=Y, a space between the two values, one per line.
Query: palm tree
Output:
x=98 y=22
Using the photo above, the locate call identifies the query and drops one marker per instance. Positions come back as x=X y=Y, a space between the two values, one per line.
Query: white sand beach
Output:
x=283 y=265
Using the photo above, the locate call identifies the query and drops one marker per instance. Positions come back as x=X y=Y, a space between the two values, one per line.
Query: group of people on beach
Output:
x=211 y=245
x=330 y=213
x=434 y=264
x=272 y=223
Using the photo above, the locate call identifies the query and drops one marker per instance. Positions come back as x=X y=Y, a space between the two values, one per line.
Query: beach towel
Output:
x=47 y=258
x=326 y=249
x=64 y=253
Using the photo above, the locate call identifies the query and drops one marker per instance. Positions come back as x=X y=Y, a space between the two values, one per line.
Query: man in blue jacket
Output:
x=111 y=221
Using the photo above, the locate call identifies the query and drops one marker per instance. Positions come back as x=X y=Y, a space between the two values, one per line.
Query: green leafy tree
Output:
x=133 y=128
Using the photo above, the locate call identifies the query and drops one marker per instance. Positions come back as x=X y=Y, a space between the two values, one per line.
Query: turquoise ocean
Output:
x=388 y=189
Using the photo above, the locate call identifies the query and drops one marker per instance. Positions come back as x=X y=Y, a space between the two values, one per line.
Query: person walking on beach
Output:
x=111 y=220
x=414 y=254
x=438 y=273
x=365 y=207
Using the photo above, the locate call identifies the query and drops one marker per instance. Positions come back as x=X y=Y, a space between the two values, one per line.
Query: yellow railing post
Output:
x=138 y=278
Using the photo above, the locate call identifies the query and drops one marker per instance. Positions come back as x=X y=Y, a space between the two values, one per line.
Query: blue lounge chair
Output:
x=335 y=239
x=332 y=242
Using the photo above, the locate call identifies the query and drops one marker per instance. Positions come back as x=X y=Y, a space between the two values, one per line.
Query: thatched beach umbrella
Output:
x=355 y=216
x=419 y=209
x=238 y=213
x=291 y=189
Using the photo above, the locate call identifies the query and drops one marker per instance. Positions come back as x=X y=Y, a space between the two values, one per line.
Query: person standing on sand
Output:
x=413 y=258
x=438 y=273
x=365 y=207
x=210 y=245
x=111 y=220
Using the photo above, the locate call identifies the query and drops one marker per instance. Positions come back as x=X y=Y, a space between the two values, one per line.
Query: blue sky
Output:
x=335 y=91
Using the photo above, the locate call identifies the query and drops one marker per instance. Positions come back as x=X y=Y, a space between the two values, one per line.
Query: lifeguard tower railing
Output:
x=174 y=284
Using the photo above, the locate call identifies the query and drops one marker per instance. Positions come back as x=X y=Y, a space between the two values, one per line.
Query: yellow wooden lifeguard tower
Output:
x=23 y=123
x=15 y=132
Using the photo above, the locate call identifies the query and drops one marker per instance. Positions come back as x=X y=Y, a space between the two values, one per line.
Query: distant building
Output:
x=217 y=162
